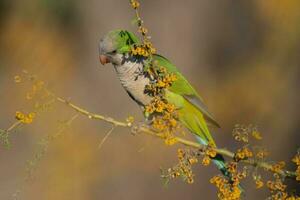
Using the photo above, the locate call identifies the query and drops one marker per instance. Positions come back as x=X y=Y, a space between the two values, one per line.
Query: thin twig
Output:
x=93 y=115
x=145 y=129
x=106 y=136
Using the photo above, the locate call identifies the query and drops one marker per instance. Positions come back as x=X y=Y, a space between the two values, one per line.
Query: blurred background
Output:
x=242 y=57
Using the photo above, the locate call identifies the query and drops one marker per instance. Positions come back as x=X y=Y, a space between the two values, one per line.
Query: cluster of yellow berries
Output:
x=206 y=160
x=25 y=118
x=236 y=175
x=242 y=154
x=170 y=140
x=208 y=154
x=283 y=196
x=184 y=169
x=296 y=160
x=167 y=124
x=143 y=30
x=228 y=187
x=241 y=133
x=166 y=81
x=135 y=4
x=159 y=105
x=232 y=167
x=164 y=114
x=162 y=81
x=277 y=189
x=226 y=190
x=256 y=134
x=259 y=183
x=276 y=185
x=261 y=154
x=277 y=167
x=144 y=50
x=140 y=51
x=167 y=127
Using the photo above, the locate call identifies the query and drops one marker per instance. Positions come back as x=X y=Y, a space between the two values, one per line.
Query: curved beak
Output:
x=104 y=59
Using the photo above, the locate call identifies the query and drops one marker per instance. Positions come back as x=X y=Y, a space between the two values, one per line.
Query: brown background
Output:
x=242 y=57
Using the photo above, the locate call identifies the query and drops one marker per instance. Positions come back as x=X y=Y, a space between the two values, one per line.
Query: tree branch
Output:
x=147 y=130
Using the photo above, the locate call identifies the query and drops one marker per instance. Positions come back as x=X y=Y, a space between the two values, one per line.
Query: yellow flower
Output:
x=145 y=54
x=162 y=70
x=243 y=153
x=190 y=180
x=298 y=173
x=161 y=84
x=19 y=115
x=170 y=141
x=158 y=124
x=18 y=79
x=232 y=167
x=276 y=185
x=175 y=174
x=143 y=30
x=259 y=184
x=226 y=191
x=149 y=109
x=173 y=77
x=180 y=154
x=152 y=50
x=160 y=106
x=26 y=119
x=256 y=135
x=148 y=44
x=206 y=161
x=262 y=154
x=278 y=166
x=210 y=152
x=193 y=160
x=173 y=122
x=170 y=107
x=292 y=198
x=296 y=159
x=31 y=115
x=133 y=51
x=135 y=4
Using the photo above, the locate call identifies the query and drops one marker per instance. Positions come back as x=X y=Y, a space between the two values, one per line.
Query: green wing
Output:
x=182 y=87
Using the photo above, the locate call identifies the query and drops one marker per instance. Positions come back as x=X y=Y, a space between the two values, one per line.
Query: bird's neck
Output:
x=129 y=70
x=134 y=81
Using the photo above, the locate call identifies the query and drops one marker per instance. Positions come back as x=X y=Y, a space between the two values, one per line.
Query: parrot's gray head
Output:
x=108 y=52
x=115 y=45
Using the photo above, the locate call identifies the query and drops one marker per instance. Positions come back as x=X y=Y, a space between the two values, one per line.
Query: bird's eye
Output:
x=113 y=52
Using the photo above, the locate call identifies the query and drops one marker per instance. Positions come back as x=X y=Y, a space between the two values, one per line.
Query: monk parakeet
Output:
x=192 y=113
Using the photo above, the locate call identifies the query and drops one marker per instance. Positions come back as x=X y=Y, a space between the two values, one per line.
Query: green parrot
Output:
x=192 y=113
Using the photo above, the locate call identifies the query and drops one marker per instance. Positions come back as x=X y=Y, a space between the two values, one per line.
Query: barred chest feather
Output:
x=134 y=81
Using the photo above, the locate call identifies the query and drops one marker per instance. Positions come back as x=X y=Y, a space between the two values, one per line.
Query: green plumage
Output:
x=123 y=40
x=193 y=113
x=190 y=115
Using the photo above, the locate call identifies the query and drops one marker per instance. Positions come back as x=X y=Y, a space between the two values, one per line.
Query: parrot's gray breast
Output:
x=134 y=81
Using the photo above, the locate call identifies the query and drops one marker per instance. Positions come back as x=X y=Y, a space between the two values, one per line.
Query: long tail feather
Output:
x=219 y=161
